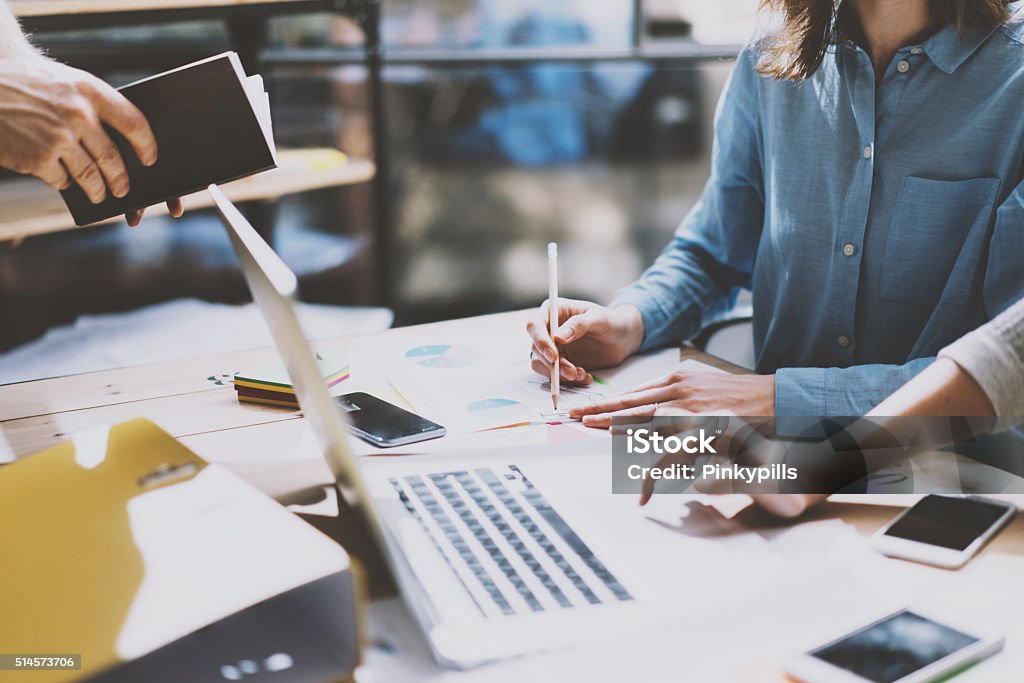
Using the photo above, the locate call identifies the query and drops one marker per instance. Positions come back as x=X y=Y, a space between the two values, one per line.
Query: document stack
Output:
x=270 y=384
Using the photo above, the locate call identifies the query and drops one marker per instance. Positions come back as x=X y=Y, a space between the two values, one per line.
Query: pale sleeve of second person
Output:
x=993 y=355
x=52 y=120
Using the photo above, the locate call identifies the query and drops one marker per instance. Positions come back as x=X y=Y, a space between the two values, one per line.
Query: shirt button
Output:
x=867 y=152
x=844 y=341
x=903 y=67
x=849 y=249
x=916 y=50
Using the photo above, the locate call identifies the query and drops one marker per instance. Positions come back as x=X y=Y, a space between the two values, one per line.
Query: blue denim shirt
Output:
x=874 y=223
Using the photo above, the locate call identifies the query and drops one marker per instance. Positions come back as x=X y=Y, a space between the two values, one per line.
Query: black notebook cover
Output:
x=206 y=132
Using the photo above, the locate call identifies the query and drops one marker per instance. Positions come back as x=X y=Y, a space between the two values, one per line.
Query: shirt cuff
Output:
x=651 y=314
x=799 y=402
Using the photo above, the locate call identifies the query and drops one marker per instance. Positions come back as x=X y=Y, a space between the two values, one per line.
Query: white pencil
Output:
x=553 y=317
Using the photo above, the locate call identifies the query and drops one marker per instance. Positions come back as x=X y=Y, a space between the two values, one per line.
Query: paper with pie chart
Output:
x=485 y=381
x=514 y=396
x=495 y=407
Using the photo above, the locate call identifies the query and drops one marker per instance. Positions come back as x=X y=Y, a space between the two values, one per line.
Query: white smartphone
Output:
x=944 y=531
x=904 y=647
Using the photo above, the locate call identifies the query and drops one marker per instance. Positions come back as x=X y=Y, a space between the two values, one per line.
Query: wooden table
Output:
x=190 y=400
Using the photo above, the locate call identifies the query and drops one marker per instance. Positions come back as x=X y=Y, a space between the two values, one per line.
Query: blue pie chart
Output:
x=442 y=356
x=499 y=408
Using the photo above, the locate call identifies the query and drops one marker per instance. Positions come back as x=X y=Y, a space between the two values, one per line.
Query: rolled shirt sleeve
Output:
x=853 y=391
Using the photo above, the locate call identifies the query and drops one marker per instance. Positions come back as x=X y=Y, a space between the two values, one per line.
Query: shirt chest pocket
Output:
x=936 y=238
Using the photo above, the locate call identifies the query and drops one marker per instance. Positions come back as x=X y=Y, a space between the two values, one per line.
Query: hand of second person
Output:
x=589 y=337
x=750 y=443
x=684 y=392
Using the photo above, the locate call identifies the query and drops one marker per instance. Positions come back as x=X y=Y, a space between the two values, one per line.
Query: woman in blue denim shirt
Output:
x=865 y=185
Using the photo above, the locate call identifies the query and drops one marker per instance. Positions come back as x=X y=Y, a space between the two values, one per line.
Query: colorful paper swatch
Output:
x=270 y=385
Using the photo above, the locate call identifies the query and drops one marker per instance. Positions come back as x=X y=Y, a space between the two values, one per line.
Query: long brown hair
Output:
x=810 y=26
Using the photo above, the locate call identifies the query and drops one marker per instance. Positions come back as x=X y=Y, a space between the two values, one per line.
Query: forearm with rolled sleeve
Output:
x=993 y=355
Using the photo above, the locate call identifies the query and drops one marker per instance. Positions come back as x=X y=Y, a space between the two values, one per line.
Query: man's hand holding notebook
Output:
x=212 y=125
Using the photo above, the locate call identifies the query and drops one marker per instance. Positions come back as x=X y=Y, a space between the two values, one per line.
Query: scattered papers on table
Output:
x=485 y=382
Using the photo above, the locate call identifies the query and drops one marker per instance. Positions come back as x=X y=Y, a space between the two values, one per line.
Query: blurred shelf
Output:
x=72 y=15
x=160 y=55
x=667 y=51
x=45 y=8
x=28 y=207
x=128 y=58
x=48 y=7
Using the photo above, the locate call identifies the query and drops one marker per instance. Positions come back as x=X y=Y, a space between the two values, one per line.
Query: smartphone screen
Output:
x=382 y=423
x=894 y=648
x=947 y=522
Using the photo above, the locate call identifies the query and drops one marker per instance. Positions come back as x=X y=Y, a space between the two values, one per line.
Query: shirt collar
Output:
x=949 y=48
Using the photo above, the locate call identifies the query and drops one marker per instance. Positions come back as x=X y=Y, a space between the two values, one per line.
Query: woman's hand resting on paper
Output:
x=589 y=337
x=686 y=392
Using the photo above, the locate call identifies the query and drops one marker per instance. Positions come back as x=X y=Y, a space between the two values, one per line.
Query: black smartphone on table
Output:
x=944 y=531
x=384 y=424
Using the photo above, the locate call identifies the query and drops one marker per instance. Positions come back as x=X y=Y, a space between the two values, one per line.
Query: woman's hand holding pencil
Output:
x=589 y=337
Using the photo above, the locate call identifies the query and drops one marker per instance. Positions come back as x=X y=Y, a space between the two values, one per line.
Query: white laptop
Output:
x=484 y=558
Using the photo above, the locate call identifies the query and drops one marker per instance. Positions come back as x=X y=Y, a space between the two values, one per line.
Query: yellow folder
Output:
x=122 y=541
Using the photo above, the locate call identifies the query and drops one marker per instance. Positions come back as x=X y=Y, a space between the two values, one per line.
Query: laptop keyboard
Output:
x=510 y=549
